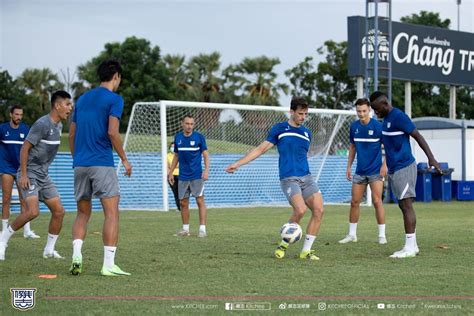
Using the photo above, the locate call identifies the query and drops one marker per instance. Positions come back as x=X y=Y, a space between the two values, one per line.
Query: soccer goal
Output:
x=231 y=130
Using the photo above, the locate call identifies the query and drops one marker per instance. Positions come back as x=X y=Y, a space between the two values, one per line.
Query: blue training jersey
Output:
x=396 y=130
x=293 y=146
x=92 y=145
x=367 y=140
x=11 y=140
x=189 y=150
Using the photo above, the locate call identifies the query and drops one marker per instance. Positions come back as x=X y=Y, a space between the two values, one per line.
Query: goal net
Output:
x=231 y=131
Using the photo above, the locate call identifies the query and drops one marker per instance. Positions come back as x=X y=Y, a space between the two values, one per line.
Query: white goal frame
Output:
x=164 y=104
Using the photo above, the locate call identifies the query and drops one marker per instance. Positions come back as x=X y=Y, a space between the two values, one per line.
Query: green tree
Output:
x=144 y=78
x=40 y=83
x=255 y=78
x=427 y=18
x=203 y=81
x=326 y=85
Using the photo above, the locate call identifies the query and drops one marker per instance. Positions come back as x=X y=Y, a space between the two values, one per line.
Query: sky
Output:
x=62 y=34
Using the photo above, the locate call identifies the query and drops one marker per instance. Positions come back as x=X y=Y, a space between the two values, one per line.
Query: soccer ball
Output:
x=291 y=232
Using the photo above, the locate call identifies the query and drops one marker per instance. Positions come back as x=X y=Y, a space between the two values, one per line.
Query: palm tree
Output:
x=203 y=79
x=40 y=83
x=256 y=79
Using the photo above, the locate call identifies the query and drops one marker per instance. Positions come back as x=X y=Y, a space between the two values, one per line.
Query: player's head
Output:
x=379 y=102
x=171 y=147
x=16 y=114
x=188 y=124
x=363 y=109
x=61 y=104
x=110 y=71
x=298 y=110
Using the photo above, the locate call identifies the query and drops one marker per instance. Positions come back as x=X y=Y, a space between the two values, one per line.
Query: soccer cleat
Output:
x=281 y=250
x=404 y=253
x=31 y=235
x=309 y=254
x=3 y=247
x=417 y=250
x=382 y=240
x=76 y=266
x=54 y=254
x=202 y=234
x=347 y=239
x=114 y=271
x=183 y=233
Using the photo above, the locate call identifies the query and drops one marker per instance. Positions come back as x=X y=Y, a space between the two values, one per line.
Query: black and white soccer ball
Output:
x=291 y=232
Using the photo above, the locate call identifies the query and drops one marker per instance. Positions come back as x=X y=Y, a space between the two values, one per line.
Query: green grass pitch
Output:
x=172 y=275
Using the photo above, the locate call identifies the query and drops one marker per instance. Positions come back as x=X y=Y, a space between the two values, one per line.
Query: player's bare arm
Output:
x=173 y=165
x=114 y=136
x=72 y=135
x=426 y=148
x=25 y=149
x=254 y=154
x=350 y=160
x=205 y=174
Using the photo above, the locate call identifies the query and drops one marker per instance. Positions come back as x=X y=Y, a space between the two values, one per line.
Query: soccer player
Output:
x=366 y=139
x=293 y=142
x=93 y=132
x=189 y=147
x=397 y=128
x=174 y=185
x=12 y=136
x=37 y=153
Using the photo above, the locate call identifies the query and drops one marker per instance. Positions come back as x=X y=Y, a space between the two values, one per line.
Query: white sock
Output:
x=109 y=256
x=381 y=230
x=308 y=242
x=410 y=241
x=353 y=229
x=49 y=248
x=6 y=234
x=186 y=227
x=202 y=228
x=77 y=248
x=27 y=228
x=4 y=224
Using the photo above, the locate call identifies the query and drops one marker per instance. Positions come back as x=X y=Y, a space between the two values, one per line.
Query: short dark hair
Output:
x=362 y=101
x=15 y=107
x=187 y=115
x=60 y=94
x=377 y=94
x=298 y=102
x=107 y=69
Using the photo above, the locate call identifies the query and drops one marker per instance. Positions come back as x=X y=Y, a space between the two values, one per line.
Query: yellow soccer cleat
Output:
x=281 y=250
x=309 y=255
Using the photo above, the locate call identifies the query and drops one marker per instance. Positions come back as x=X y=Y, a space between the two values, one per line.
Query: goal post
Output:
x=231 y=130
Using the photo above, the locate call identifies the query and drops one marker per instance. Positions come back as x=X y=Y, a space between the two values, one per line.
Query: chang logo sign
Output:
x=368 y=46
x=433 y=54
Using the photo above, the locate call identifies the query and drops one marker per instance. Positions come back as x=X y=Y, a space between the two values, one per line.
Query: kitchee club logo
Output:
x=23 y=299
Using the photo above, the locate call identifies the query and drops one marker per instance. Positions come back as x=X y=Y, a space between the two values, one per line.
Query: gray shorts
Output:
x=358 y=179
x=44 y=189
x=99 y=182
x=187 y=187
x=305 y=186
x=403 y=182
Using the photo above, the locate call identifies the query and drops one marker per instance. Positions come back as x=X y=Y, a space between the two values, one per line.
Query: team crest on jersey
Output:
x=357 y=131
x=306 y=134
x=51 y=132
x=23 y=299
x=7 y=134
x=22 y=135
x=389 y=124
x=192 y=142
x=371 y=132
